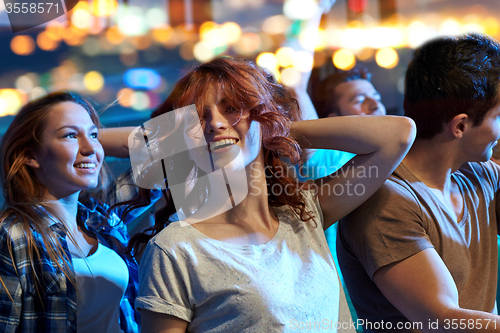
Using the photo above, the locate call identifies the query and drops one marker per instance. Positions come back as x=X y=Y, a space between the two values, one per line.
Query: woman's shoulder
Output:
x=174 y=236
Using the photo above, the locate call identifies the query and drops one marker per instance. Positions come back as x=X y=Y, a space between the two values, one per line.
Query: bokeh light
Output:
x=290 y=77
x=275 y=25
x=300 y=9
x=93 y=81
x=46 y=43
x=22 y=45
x=387 y=57
x=284 y=55
x=268 y=61
x=344 y=59
x=302 y=61
x=104 y=8
x=126 y=97
x=10 y=101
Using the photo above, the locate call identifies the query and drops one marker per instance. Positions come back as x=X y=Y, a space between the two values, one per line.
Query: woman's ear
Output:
x=31 y=161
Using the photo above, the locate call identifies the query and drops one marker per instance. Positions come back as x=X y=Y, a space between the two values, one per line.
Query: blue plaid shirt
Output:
x=21 y=307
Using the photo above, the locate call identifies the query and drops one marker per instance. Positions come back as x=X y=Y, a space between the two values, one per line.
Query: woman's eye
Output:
x=70 y=135
x=231 y=110
x=94 y=135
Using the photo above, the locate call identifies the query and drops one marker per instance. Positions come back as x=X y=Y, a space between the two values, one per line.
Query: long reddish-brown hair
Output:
x=243 y=86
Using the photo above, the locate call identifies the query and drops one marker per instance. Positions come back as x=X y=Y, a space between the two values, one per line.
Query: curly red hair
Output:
x=244 y=86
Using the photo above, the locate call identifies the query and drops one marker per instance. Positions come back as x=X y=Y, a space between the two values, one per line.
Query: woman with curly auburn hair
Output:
x=252 y=255
x=62 y=264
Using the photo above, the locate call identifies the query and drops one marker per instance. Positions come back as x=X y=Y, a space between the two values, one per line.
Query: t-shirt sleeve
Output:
x=162 y=286
x=386 y=229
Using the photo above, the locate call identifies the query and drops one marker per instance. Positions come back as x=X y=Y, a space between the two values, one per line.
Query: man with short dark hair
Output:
x=347 y=93
x=421 y=253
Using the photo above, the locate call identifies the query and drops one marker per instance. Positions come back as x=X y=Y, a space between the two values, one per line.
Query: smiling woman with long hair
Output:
x=249 y=252
x=61 y=264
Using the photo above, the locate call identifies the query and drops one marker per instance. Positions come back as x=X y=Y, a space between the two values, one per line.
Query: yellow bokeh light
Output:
x=268 y=61
x=232 y=30
x=81 y=18
x=55 y=30
x=290 y=77
x=46 y=43
x=104 y=7
x=114 y=35
x=206 y=27
x=303 y=61
x=74 y=36
x=22 y=45
x=10 y=101
x=449 y=27
x=344 y=59
x=126 y=97
x=93 y=81
x=491 y=26
x=162 y=34
x=313 y=39
x=284 y=55
x=203 y=52
x=387 y=57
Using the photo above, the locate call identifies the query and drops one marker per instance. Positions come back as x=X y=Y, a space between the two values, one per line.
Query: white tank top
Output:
x=102 y=280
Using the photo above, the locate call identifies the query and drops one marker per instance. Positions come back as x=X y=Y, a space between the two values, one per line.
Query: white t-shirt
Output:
x=286 y=284
x=102 y=280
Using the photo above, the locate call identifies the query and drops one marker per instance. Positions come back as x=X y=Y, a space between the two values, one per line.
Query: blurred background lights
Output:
x=25 y=83
x=232 y=31
x=313 y=39
x=37 y=92
x=104 y=8
x=250 y=42
x=126 y=97
x=144 y=78
x=284 y=56
x=203 y=52
x=380 y=37
x=290 y=77
x=131 y=21
x=10 y=101
x=268 y=61
x=344 y=59
x=387 y=57
x=46 y=43
x=81 y=18
x=93 y=81
x=22 y=45
x=357 y=6
x=449 y=27
x=141 y=101
x=156 y=17
x=302 y=61
x=275 y=25
x=354 y=38
x=299 y=9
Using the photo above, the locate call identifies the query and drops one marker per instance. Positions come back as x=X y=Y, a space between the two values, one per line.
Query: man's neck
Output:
x=433 y=161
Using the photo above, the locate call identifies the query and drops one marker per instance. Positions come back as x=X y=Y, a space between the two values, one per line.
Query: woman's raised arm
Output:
x=380 y=143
